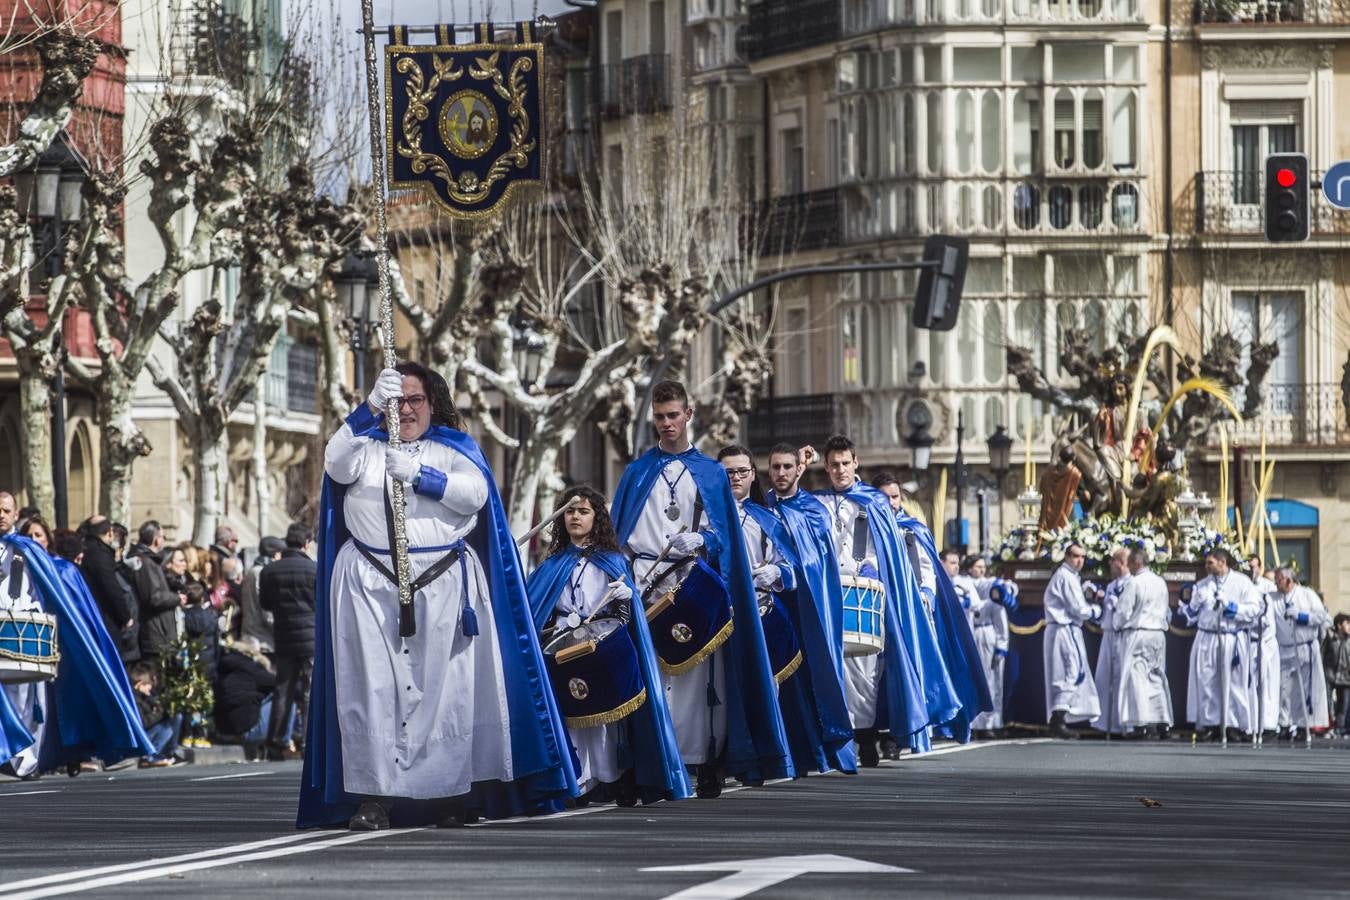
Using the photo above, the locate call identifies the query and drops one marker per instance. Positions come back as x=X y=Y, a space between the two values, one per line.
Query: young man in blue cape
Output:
x=911 y=661
x=674 y=501
x=445 y=714
x=88 y=711
x=947 y=614
x=585 y=575
x=815 y=708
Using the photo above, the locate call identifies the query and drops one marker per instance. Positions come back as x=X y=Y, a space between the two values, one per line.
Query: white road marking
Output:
x=750 y=875
x=178 y=868
x=26 y=793
x=240 y=775
x=961 y=748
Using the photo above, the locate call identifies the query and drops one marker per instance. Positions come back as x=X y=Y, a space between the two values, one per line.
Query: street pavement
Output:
x=1009 y=819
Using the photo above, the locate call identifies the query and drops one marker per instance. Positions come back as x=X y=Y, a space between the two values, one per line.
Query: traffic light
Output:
x=1287 y=186
x=937 y=297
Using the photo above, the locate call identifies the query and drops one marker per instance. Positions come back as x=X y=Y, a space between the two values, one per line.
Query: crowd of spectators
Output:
x=217 y=649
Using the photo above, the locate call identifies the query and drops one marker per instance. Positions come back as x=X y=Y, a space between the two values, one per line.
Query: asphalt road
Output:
x=1015 y=819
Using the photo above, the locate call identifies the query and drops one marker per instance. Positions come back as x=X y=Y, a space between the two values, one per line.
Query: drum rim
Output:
x=609 y=716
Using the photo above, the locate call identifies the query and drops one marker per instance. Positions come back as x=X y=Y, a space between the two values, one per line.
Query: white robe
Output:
x=1263 y=675
x=29 y=699
x=1109 y=660
x=422 y=717
x=862 y=674
x=1140 y=620
x=988 y=620
x=1221 y=651
x=597 y=747
x=1069 y=685
x=1303 y=695
x=697 y=726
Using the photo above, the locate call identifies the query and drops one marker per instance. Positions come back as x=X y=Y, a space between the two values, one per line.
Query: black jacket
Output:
x=158 y=602
x=286 y=589
x=240 y=689
x=114 y=596
x=202 y=624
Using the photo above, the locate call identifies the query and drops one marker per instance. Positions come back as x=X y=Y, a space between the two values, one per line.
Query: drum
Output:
x=691 y=620
x=785 y=652
x=595 y=673
x=27 y=647
x=864 y=615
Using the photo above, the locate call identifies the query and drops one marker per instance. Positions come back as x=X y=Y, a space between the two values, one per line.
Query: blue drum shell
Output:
x=696 y=624
x=785 y=651
x=599 y=688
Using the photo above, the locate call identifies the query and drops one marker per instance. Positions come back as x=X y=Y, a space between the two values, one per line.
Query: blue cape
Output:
x=90 y=710
x=541 y=763
x=656 y=753
x=954 y=637
x=815 y=709
x=757 y=746
x=911 y=649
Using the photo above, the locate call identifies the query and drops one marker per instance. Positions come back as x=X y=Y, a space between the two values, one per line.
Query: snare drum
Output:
x=864 y=615
x=691 y=620
x=27 y=647
x=595 y=673
x=785 y=652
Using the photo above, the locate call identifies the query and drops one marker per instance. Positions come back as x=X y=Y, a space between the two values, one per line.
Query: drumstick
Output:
x=527 y=536
x=647 y=582
x=604 y=601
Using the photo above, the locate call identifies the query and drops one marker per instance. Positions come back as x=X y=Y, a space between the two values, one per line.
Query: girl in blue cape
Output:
x=444 y=715
x=88 y=711
x=633 y=753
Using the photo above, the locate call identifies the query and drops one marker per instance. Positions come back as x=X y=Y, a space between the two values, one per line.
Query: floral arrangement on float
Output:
x=1099 y=537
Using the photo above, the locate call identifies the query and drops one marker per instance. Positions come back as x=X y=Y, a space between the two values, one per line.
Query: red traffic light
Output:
x=1285 y=178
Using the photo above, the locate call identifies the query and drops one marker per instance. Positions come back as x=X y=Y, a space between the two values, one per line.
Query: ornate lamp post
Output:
x=1188 y=522
x=1000 y=453
x=354 y=297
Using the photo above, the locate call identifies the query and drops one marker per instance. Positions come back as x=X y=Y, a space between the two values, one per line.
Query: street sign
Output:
x=750 y=875
x=1336 y=185
x=937 y=297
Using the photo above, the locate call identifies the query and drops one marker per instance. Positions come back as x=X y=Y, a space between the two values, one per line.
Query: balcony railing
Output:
x=210 y=43
x=862 y=16
x=1033 y=206
x=799 y=222
x=1299 y=414
x=1262 y=12
x=799 y=420
x=637 y=86
x=1231 y=203
x=784 y=26
x=293 y=377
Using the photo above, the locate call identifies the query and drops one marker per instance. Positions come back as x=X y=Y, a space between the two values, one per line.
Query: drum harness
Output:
x=16 y=573
x=456 y=553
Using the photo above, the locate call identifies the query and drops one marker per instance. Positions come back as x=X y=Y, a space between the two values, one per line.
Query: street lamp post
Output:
x=1000 y=453
x=960 y=481
x=353 y=290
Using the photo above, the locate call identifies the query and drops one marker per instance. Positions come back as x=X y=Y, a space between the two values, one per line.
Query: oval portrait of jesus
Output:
x=468 y=124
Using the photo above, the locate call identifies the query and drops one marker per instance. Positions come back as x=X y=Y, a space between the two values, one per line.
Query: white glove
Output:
x=620 y=590
x=686 y=543
x=400 y=464
x=766 y=576
x=388 y=386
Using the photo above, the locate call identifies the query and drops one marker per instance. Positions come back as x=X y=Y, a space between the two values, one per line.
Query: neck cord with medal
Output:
x=574 y=617
x=673 y=510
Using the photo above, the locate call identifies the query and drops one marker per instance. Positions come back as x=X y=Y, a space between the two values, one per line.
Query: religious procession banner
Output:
x=463 y=122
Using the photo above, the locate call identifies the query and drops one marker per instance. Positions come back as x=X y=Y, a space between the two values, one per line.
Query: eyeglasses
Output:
x=740 y=473
x=415 y=402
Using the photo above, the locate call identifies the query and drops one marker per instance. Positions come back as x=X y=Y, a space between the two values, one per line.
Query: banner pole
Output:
x=402 y=565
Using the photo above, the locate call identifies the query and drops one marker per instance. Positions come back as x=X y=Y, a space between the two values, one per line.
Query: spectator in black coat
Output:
x=255 y=623
x=115 y=599
x=287 y=589
x=244 y=695
x=159 y=603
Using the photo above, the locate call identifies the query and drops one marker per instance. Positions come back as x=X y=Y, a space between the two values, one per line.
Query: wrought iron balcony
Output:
x=808 y=221
x=1230 y=203
x=1299 y=414
x=1264 y=12
x=863 y=16
x=798 y=420
x=784 y=26
x=639 y=85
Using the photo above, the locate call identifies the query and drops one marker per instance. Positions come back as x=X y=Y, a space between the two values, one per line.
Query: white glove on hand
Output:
x=400 y=464
x=686 y=543
x=388 y=386
x=766 y=576
x=620 y=590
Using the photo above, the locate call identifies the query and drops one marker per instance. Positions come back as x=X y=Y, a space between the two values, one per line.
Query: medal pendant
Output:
x=573 y=620
x=673 y=513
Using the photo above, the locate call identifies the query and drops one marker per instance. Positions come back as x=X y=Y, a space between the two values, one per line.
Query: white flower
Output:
x=1007 y=555
x=1057 y=554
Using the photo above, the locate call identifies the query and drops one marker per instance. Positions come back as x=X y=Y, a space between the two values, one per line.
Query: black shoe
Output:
x=1162 y=733
x=709 y=786
x=890 y=747
x=458 y=817
x=372 y=816
x=1236 y=736
x=625 y=792
x=1058 y=727
x=866 y=739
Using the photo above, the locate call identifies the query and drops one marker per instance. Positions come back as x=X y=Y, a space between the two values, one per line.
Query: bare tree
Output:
x=67 y=58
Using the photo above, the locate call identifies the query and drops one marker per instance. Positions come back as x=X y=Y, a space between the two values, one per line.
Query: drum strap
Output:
x=651 y=586
x=912 y=549
x=860 y=536
x=16 y=577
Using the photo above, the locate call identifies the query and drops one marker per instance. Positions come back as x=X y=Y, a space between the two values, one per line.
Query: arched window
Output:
x=994 y=363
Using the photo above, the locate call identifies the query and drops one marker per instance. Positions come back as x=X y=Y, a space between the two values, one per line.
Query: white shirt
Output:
x=843 y=513
x=654 y=528
x=587 y=584
x=1300 y=600
x=1211 y=596
x=1143 y=604
x=1064 y=600
x=760 y=548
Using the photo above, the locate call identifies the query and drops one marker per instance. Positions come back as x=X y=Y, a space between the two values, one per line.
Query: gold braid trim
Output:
x=790 y=669
x=1026 y=629
x=609 y=717
x=688 y=665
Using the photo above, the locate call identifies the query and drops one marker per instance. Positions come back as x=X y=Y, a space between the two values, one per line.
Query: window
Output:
x=1260 y=127
x=656 y=27
x=796 y=352
x=1067 y=130
x=793 y=178
x=850 y=374
x=613 y=36
x=1274 y=317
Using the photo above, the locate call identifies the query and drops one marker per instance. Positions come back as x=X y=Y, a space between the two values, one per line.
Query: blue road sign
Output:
x=1336 y=185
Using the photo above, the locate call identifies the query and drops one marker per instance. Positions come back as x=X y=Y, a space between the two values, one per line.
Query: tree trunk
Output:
x=536 y=480
x=121 y=443
x=208 y=461
x=262 y=483
x=334 y=366
x=35 y=431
